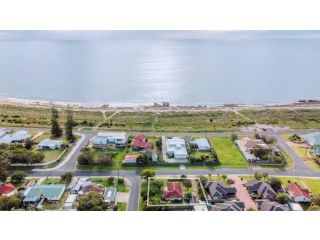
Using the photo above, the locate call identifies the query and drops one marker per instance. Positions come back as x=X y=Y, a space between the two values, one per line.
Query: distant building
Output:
x=262 y=189
x=176 y=147
x=51 y=193
x=173 y=192
x=202 y=144
x=109 y=140
x=49 y=144
x=7 y=189
x=313 y=140
x=299 y=194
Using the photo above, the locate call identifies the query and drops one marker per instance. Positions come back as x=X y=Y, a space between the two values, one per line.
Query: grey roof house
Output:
x=266 y=205
x=219 y=189
x=228 y=206
x=261 y=188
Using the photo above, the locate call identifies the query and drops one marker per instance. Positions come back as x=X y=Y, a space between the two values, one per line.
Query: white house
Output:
x=49 y=144
x=203 y=144
x=20 y=136
x=2 y=132
x=109 y=140
x=176 y=147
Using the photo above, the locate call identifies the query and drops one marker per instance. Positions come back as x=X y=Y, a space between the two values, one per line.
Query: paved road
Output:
x=299 y=169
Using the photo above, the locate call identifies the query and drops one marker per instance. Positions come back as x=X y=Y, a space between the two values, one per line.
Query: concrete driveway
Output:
x=243 y=194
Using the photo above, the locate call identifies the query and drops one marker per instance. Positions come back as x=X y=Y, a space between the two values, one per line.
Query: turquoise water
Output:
x=184 y=71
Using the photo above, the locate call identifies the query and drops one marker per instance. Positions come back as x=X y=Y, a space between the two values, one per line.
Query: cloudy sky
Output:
x=129 y=35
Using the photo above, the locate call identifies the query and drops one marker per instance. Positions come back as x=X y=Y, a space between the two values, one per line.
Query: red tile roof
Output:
x=140 y=137
x=6 y=188
x=131 y=157
x=174 y=191
x=142 y=144
x=297 y=191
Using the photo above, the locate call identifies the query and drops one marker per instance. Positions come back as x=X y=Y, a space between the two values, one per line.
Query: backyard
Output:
x=228 y=154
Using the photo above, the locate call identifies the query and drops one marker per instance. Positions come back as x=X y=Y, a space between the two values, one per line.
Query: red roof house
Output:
x=298 y=193
x=141 y=143
x=130 y=159
x=7 y=189
x=173 y=192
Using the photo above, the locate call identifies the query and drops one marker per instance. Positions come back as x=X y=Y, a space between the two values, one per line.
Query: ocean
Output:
x=182 y=71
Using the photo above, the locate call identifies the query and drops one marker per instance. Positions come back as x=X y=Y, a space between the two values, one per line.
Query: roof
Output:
x=51 y=192
x=202 y=142
x=266 y=205
x=295 y=207
x=142 y=144
x=91 y=187
x=228 y=206
x=312 y=138
x=177 y=146
x=262 y=188
x=140 y=137
x=110 y=194
x=112 y=134
x=7 y=188
x=131 y=157
x=296 y=191
x=247 y=144
x=219 y=189
x=174 y=190
x=49 y=142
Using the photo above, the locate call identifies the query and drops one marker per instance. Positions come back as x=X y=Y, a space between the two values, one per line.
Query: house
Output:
x=202 y=144
x=16 y=137
x=109 y=140
x=51 y=193
x=70 y=202
x=20 y=136
x=266 y=205
x=7 y=189
x=109 y=195
x=90 y=187
x=3 y=132
x=77 y=186
x=299 y=194
x=176 y=147
x=313 y=140
x=173 y=192
x=141 y=143
x=130 y=159
x=263 y=189
x=220 y=190
x=228 y=206
x=49 y=144
x=246 y=145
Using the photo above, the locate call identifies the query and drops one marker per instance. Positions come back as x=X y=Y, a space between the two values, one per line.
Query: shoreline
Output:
x=153 y=107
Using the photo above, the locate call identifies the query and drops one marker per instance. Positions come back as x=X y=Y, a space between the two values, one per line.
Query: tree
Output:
x=85 y=158
x=67 y=177
x=93 y=201
x=147 y=173
x=316 y=201
x=143 y=159
x=275 y=183
x=265 y=176
x=8 y=203
x=159 y=144
x=257 y=176
x=110 y=180
x=69 y=125
x=18 y=176
x=234 y=137
x=28 y=144
x=4 y=165
x=56 y=130
x=224 y=177
x=282 y=198
x=314 y=208
x=230 y=181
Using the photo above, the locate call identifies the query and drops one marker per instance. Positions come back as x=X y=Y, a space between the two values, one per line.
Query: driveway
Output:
x=243 y=194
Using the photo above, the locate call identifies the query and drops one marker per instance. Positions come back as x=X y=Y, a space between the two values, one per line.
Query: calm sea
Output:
x=180 y=71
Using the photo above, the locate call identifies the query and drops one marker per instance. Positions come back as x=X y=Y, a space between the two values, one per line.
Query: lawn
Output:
x=228 y=154
x=56 y=206
x=51 y=181
x=122 y=206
